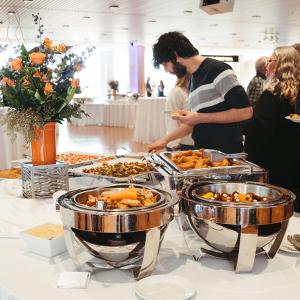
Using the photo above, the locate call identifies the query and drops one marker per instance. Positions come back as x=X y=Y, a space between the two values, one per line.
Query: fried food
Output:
x=120 y=169
x=294 y=116
x=123 y=199
x=75 y=158
x=190 y=159
x=10 y=173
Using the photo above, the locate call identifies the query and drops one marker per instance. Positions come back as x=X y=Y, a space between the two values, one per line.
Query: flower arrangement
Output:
x=113 y=84
x=38 y=86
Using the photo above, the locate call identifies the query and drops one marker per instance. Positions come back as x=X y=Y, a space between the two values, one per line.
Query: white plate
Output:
x=165 y=287
x=292 y=119
x=286 y=246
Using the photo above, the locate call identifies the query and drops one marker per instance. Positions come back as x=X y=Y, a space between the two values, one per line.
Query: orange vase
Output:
x=43 y=147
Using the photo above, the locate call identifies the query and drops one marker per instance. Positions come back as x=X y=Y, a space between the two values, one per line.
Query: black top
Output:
x=214 y=88
x=273 y=142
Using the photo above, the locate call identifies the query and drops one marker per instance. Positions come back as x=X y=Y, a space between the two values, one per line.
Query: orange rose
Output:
x=79 y=66
x=75 y=83
x=48 y=90
x=16 y=64
x=37 y=74
x=47 y=43
x=8 y=81
x=60 y=48
x=37 y=58
x=26 y=83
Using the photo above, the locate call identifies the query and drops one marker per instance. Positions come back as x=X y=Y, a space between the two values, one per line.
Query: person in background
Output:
x=161 y=88
x=272 y=141
x=257 y=83
x=218 y=102
x=177 y=99
x=148 y=88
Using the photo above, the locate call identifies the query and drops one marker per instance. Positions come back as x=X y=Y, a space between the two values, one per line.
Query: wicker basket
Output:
x=40 y=182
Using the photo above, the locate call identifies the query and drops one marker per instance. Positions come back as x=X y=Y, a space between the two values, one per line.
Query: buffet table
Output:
x=150 y=120
x=9 y=151
x=117 y=114
x=26 y=276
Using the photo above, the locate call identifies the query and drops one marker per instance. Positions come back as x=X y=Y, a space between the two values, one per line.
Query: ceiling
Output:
x=252 y=24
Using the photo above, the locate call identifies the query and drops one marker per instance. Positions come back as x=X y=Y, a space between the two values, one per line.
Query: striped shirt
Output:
x=214 y=88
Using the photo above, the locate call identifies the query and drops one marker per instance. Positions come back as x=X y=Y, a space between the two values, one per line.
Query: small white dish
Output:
x=165 y=287
x=293 y=119
x=286 y=246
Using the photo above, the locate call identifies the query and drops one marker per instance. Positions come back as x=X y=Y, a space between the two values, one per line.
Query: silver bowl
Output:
x=115 y=238
x=239 y=230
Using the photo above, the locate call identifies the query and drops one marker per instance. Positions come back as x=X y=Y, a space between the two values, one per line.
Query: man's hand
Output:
x=158 y=145
x=186 y=117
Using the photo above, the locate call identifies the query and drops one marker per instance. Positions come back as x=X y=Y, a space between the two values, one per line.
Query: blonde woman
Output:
x=178 y=100
x=272 y=141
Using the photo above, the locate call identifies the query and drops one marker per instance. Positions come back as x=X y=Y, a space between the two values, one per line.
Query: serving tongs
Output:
x=219 y=156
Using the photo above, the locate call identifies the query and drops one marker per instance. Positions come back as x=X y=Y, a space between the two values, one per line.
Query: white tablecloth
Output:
x=94 y=110
x=118 y=114
x=150 y=120
x=9 y=151
x=26 y=276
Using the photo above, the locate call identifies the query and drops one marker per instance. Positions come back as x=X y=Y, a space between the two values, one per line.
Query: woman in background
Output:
x=272 y=141
x=161 y=88
x=177 y=99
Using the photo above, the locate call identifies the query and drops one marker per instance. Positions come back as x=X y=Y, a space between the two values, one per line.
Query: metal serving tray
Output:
x=137 y=178
x=166 y=158
x=82 y=163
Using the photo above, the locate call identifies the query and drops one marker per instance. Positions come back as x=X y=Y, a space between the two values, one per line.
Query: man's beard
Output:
x=179 y=70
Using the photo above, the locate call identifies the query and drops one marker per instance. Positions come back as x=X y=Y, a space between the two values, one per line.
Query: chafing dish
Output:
x=177 y=179
x=239 y=230
x=148 y=176
x=99 y=238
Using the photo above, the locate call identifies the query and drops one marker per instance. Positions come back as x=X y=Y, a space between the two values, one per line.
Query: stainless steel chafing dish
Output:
x=115 y=238
x=177 y=178
x=239 y=230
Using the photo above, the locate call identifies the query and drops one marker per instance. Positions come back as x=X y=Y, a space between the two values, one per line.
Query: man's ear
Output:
x=176 y=55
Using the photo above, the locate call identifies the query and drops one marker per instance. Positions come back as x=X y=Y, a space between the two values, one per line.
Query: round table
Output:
x=150 y=120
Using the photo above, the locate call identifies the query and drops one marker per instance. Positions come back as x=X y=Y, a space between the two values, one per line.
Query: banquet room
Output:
x=117 y=175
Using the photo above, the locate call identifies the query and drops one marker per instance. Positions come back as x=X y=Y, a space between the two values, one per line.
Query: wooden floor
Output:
x=97 y=139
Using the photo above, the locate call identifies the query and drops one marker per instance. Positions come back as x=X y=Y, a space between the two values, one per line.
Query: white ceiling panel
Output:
x=252 y=24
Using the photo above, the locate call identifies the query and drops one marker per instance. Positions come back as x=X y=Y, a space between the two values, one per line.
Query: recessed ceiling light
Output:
x=125 y=28
x=11 y=13
x=259 y=41
x=104 y=34
x=86 y=17
x=214 y=25
x=114 y=6
x=233 y=33
x=66 y=25
x=203 y=39
x=256 y=16
x=241 y=40
x=187 y=11
x=152 y=21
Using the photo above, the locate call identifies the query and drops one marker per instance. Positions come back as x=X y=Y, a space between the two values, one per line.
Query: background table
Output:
x=117 y=113
x=150 y=120
x=26 y=276
x=10 y=151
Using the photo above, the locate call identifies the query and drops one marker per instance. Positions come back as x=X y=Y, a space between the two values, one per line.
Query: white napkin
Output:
x=73 y=280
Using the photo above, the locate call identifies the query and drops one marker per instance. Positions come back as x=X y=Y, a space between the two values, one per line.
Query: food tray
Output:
x=81 y=163
x=166 y=159
x=79 y=170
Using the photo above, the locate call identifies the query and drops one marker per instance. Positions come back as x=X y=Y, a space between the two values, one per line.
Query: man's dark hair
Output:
x=169 y=43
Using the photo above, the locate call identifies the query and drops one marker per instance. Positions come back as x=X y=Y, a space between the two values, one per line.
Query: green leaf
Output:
x=37 y=96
